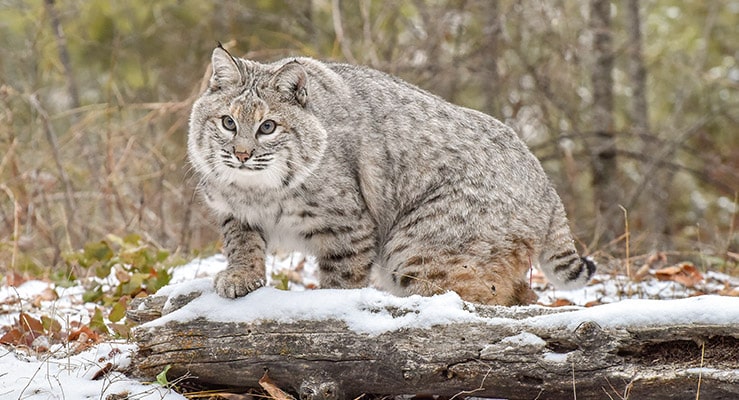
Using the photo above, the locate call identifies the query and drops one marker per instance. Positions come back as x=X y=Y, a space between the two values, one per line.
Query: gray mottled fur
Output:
x=381 y=181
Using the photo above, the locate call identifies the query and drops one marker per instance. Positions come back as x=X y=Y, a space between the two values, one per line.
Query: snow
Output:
x=524 y=339
x=61 y=374
x=363 y=310
x=709 y=310
x=37 y=378
x=556 y=357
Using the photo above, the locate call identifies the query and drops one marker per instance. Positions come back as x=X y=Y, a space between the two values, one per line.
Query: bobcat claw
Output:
x=232 y=284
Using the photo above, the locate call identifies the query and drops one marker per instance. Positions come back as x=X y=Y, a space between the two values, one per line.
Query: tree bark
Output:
x=605 y=169
x=514 y=358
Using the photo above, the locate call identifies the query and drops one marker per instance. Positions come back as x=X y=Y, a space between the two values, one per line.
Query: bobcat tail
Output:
x=559 y=259
x=567 y=270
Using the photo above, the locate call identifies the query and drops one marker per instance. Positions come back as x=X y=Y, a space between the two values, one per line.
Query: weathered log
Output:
x=509 y=353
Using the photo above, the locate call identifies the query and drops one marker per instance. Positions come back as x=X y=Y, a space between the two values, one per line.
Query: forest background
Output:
x=632 y=107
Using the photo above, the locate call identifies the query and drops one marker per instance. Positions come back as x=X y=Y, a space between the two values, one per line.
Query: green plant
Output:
x=123 y=267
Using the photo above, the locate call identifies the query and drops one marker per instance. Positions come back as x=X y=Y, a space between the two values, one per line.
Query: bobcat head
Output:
x=253 y=127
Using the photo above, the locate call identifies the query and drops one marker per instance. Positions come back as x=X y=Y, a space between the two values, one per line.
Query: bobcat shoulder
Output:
x=386 y=184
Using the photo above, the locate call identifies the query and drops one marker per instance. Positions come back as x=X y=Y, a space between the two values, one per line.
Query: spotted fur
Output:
x=384 y=183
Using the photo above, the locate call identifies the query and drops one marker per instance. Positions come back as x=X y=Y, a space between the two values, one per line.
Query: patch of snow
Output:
x=717 y=310
x=24 y=291
x=556 y=357
x=610 y=289
x=29 y=377
x=198 y=268
x=275 y=264
x=523 y=339
x=363 y=310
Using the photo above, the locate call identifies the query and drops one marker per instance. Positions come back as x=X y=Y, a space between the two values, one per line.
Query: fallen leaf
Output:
x=102 y=372
x=266 y=383
x=52 y=327
x=593 y=303
x=685 y=274
x=561 y=303
x=30 y=324
x=12 y=337
x=84 y=335
x=729 y=291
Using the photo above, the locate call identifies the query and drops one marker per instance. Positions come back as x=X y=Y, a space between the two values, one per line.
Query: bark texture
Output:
x=514 y=359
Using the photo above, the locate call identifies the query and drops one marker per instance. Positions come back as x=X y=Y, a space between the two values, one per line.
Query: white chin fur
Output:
x=247 y=179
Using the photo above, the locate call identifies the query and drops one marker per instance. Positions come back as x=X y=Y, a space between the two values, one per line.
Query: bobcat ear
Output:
x=225 y=70
x=292 y=81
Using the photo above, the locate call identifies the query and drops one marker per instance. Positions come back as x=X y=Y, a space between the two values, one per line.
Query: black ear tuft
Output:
x=292 y=81
x=225 y=69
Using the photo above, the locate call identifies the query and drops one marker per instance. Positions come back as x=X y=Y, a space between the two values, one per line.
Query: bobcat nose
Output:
x=241 y=154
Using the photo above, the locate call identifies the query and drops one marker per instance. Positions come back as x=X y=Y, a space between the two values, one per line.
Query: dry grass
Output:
x=104 y=168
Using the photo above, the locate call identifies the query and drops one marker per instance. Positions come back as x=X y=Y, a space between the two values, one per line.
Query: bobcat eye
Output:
x=267 y=127
x=228 y=123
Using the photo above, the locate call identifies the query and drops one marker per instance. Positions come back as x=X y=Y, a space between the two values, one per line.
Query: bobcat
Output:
x=383 y=182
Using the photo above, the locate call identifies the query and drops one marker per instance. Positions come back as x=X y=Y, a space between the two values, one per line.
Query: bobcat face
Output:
x=251 y=128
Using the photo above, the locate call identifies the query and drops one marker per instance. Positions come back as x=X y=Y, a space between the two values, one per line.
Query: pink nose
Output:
x=242 y=155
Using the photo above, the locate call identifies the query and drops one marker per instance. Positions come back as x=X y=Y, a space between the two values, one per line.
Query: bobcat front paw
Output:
x=236 y=282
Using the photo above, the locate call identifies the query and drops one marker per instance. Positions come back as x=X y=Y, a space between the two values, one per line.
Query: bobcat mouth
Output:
x=258 y=163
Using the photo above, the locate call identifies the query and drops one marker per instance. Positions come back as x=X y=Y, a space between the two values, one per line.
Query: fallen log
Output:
x=393 y=346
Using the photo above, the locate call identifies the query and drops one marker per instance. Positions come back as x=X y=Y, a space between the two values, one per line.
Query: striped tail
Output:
x=559 y=259
x=567 y=270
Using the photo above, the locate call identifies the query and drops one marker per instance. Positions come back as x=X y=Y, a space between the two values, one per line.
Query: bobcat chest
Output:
x=280 y=220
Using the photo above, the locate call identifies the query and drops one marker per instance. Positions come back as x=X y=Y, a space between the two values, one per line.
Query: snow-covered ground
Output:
x=97 y=371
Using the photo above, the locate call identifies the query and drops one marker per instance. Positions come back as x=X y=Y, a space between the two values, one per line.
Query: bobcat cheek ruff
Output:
x=385 y=183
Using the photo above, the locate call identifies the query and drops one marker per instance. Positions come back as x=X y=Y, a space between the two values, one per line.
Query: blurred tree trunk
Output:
x=654 y=210
x=605 y=169
x=61 y=42
x=491 y=37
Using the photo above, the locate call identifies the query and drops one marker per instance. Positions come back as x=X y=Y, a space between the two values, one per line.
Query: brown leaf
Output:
x=685 y=274
x=561 y=303
x=266 y=383
x=102 y=372
x=30 y=324
x=13 y=337
x=84 y=335
x=729 y=291
x=593 y=303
